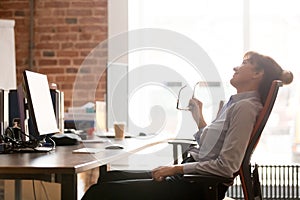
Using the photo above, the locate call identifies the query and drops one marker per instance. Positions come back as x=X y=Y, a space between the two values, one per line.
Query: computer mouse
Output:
x=114 y=146
x=142 y=134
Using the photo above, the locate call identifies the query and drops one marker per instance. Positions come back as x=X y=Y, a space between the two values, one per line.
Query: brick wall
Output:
x=65 y=34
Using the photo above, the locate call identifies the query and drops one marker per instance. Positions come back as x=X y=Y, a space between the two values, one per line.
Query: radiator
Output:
x=277 y=182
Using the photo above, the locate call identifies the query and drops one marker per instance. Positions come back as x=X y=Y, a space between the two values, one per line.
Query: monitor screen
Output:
x=39 y=103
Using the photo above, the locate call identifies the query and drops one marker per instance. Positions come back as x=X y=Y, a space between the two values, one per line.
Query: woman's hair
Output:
x=272 y=71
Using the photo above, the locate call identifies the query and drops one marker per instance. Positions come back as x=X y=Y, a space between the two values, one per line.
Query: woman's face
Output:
x=243 y=75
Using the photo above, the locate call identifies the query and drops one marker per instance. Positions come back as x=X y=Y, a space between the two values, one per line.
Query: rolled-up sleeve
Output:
x=197 y=135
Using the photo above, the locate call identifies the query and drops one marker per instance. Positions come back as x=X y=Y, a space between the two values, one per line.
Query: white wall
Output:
x=117 y=104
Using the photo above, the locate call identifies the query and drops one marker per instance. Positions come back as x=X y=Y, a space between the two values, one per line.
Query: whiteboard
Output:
x=7 y=55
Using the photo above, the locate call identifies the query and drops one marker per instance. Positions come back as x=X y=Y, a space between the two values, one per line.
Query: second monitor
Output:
x=39 y=102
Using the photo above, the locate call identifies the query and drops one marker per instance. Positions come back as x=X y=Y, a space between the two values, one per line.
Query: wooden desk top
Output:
x=63 y=161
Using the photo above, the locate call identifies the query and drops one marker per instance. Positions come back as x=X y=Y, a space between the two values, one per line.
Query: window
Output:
x=224 y=30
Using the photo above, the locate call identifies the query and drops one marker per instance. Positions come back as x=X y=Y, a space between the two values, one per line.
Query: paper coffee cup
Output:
x=119 y=130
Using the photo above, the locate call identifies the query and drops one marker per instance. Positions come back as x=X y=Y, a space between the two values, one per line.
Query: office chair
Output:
x=249 y=180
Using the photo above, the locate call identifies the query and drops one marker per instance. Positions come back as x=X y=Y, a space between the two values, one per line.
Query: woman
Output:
x=222 y=144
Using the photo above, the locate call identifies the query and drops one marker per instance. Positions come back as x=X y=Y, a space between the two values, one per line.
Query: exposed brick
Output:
x=93 y=28
x=85 y=45
x=19 y=13
x=90 y=61
x=65 y=32
x=5 y=14
x=67 y=53
x=51 y=78
x=83 y=4
x=22 y=53
x=85 y=36
x=68 y=93
x=77 y=61
x=100 y=12
x=20 y=62
x=58 y=12
x=22 y=29
x=44 y=38
x=101 y=4
x=42 y=13
x=48 y=29
x=66 y=86
x=79 y=12
x=70 y=77
x=47 y=62
x=72 y=70
x=22 y=45
x=75 y=29
x=67 y=45
x=71 y=20
x=60 y=78
x=63 y=29
x=57 y=4
x=67 y=103
x=85 y=53
x=100 y=53
x=100 y=95
x=64 y=37
x=91 y=20
x=64 y=62
x=52 y=70
x=15 y=5
x=47 y=46
x=86 y=78
x=50 y=21
x=37 y=54
x=48 y=53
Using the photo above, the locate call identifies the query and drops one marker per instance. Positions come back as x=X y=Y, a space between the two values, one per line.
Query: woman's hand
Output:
x=160 y=173
x=196 y=109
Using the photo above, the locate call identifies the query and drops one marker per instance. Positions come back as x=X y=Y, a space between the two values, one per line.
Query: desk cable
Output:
x=12 y=141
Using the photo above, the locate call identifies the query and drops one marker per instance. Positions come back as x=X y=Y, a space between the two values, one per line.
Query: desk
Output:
x=62 y=166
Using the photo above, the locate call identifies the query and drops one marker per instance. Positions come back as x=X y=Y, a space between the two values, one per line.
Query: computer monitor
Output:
x=39 y=103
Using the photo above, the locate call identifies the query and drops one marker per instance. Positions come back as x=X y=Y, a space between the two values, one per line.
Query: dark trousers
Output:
x=140 y=185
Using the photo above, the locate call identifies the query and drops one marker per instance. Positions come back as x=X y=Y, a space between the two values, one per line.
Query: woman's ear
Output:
x=258 y=74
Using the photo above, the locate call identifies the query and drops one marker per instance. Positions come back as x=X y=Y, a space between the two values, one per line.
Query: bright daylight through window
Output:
x=225 y=30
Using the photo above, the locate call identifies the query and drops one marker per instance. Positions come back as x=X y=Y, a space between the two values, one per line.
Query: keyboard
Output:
x=44 y=149
x=32 y=150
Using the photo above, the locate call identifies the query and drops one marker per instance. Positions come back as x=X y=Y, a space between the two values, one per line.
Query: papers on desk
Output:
x=87 y=150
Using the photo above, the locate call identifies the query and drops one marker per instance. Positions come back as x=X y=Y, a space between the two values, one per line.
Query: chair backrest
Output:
x=245 y=170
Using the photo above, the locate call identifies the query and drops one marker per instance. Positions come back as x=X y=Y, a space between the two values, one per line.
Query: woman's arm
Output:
x=196 y=110
x=235 y=143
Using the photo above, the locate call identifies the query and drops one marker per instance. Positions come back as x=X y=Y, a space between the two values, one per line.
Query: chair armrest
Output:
x=182 y=141
x=184 y=144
